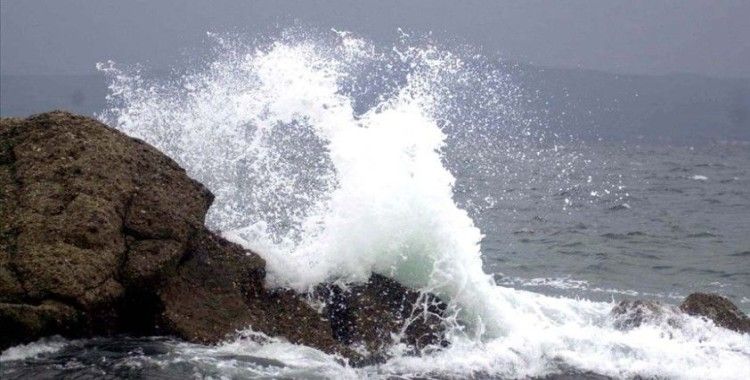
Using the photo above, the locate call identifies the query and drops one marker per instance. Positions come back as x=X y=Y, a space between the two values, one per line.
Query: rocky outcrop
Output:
x=380 y=311
x=629 y=314
x=218 y=289
x=718 y=309
x=100 y=233
x=89 y=215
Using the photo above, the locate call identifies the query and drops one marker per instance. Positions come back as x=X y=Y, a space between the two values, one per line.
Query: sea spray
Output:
x=384 y=200
x=326 y=156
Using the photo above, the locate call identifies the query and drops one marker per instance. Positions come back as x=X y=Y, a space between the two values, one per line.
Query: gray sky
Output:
x=708 y=37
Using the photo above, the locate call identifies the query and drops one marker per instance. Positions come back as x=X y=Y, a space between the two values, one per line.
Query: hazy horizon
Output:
x=666 y=69
x=653 y=38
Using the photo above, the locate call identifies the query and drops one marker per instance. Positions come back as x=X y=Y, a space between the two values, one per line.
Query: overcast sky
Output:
x=654 y=37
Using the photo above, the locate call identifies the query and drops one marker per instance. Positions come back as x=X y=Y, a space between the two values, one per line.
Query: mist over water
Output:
x=332 y=158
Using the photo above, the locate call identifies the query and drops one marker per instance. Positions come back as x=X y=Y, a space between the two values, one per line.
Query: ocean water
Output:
x=665 y=222
x=339 y=157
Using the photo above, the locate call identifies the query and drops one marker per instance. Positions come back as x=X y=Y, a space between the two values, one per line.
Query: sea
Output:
x=334 y=157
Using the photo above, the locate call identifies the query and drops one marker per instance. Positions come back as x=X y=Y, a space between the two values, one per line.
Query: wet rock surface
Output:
x=718 y=309
x=102 y=234
x=629 y=314
x=381 y=312
x=82 y=205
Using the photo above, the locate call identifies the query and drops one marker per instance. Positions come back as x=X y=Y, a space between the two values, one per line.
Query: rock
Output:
x=629 y=314
x=718 y=309
x=101 y=234
x=20 y=321
x=382 y=312
x=88 y=216
x=227 y=294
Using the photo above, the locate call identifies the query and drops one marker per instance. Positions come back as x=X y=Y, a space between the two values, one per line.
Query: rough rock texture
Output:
x=718 y=309
x=382 y=312
x=100 y=233
x=82 y=203
x=629 y=314
x=225 y=295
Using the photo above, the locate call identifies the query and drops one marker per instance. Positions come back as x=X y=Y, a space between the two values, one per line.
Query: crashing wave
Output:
x=327 y=156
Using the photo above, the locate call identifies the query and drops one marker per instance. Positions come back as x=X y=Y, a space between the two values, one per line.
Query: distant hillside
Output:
x=587 y=104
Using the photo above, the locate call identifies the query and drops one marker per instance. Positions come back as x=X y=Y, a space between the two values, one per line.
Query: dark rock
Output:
x=629 y=314
x=19 y=321
x=718 y=309
x=102 y=234
x=382 y=312
x=226 y=294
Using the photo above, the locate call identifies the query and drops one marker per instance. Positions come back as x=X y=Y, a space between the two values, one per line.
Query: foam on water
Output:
x=34 y=349
x=325 y=155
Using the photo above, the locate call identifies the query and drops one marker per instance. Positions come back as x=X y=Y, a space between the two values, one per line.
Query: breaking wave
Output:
x=330 y=156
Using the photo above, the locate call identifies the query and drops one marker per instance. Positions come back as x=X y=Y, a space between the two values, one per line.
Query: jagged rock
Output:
x=382 y=312
x=100 y=233
x=718 y=309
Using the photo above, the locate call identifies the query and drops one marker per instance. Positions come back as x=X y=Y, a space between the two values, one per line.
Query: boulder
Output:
x=629 y=314
x=89 y=215
x=381 y=312
x=100 y=234
x=718 y=309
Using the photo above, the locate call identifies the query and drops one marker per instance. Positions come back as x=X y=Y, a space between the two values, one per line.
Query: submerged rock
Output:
x=718 y=309
x=100 y=234
x=629 y=314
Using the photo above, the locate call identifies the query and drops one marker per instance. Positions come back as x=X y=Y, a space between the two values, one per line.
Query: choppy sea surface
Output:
x=653 y=222
x=339 y=157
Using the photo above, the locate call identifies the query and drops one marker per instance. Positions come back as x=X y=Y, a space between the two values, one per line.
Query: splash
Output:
x=330 y=157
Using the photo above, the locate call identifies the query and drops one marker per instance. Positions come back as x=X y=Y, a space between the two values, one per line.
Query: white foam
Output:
x=324 y=192
x=295 y=361
x=568 y=283
x=33 y=349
